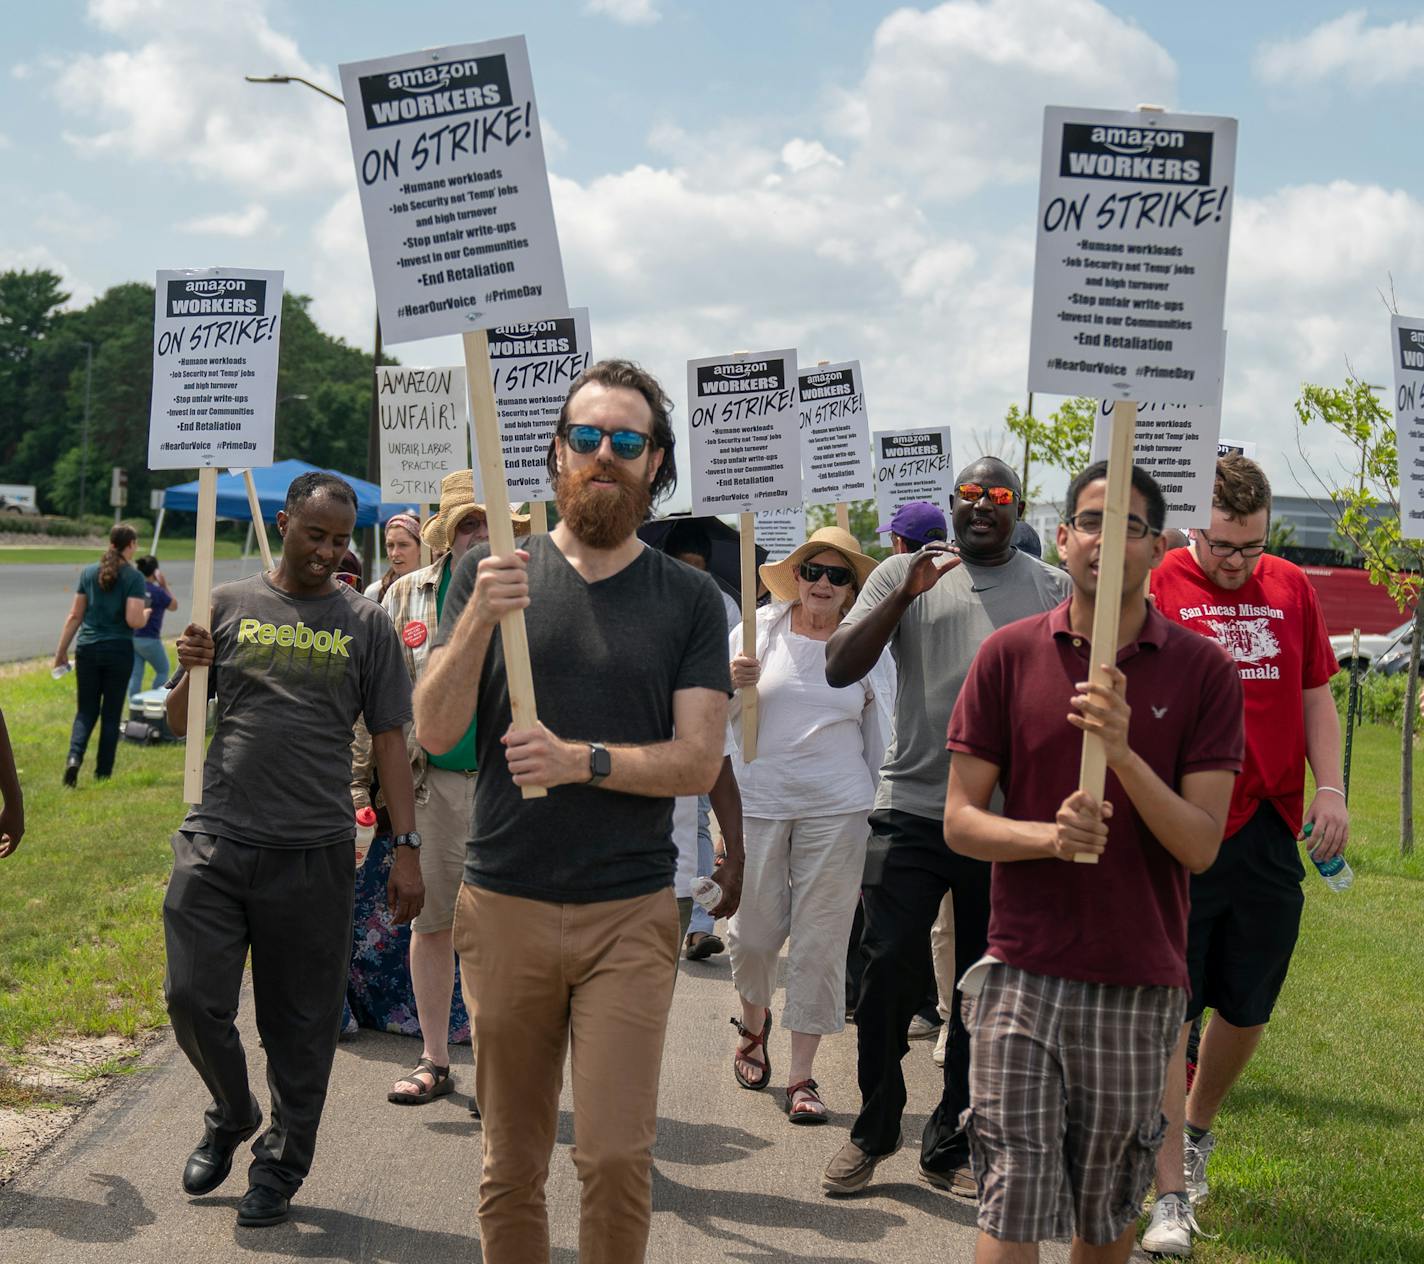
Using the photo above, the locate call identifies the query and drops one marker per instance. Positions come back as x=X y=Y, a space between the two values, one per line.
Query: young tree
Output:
x=1355 y=413
x=1064 y=441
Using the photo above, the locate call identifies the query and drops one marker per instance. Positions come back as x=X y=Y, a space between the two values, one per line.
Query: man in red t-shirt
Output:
x=1079 y=999
x=1246 y=909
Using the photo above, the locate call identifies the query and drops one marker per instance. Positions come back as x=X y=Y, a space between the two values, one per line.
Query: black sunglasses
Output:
x=840 y=576
x=628 y=445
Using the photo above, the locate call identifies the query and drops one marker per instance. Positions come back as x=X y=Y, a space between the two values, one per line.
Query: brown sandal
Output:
x=803 y=1112
x=745 y=1054
x=441 y=1083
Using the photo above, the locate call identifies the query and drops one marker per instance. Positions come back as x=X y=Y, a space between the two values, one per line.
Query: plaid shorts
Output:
x=1065 y=1089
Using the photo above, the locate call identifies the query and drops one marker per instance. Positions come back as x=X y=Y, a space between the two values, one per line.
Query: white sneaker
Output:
x=941 y=1044
x=1173 y=1224
x=921 y=1028
x=1194 y=1163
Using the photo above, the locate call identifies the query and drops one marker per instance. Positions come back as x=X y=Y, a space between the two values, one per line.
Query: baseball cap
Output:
x=917 y=520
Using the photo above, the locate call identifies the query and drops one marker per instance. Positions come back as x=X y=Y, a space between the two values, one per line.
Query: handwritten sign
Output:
x=912 y=465
x=532 y=367
x=215 y=339
x=835 y=435
x=425 y=426
x=1407 y=351
x=454 y=191
x=745 y=449
x=1129 y=283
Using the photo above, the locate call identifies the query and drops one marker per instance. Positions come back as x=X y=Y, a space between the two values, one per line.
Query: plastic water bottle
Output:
x=707 y=893
x=1336 y=871
x=60 y=672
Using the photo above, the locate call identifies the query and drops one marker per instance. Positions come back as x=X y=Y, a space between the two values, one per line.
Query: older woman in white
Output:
x=806 y=799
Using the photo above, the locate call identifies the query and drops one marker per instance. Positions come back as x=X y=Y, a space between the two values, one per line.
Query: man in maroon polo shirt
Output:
x=1077 y=1005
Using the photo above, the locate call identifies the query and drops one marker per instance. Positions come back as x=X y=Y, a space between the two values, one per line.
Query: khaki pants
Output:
x=540 y=979
x=942 y=953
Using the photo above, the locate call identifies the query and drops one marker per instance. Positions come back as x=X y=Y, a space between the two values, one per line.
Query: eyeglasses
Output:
x=974 y=492
x=1220 y=548
x=1090 y=522
x=840 y=576
x=628 y=445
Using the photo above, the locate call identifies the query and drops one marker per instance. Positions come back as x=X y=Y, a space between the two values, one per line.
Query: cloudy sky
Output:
x=856 y=180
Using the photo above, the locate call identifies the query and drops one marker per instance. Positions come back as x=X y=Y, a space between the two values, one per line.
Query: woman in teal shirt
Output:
x=108 y=606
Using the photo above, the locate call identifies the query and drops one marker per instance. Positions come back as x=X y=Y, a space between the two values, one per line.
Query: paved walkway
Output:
x=393 y=1185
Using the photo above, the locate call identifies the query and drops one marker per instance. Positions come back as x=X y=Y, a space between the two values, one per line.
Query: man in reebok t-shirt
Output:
x=1246 y=909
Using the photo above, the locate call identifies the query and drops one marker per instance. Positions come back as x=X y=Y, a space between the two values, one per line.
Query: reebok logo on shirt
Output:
x=301 y=637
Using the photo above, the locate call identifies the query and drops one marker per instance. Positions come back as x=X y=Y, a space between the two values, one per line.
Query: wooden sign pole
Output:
x=843 y=516
x=539 y=517
x=490 y=455
x=258 y=525
x=1107 y=606
x=196 y=746
x=749 y=647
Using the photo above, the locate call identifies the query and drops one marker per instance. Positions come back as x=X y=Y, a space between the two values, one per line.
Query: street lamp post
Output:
x=373 y=434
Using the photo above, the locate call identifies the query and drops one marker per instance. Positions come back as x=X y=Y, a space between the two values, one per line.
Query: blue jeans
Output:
x=148 y=650
x=701 y=918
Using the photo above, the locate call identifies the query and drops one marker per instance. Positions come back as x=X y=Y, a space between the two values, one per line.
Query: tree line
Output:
x=324 y=384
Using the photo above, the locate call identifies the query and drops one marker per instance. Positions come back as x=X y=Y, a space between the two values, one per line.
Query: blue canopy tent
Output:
x=272 y=482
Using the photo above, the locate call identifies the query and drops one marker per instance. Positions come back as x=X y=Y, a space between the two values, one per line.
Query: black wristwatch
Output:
x=411 y=840
x=600 y=763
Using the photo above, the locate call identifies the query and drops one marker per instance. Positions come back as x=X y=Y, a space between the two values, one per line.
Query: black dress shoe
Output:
x=262 y=1205
x=71 y=773
x=209 y=1164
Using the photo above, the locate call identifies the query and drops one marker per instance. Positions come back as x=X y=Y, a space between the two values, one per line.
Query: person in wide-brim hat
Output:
x=457 y=502
x=780 y=577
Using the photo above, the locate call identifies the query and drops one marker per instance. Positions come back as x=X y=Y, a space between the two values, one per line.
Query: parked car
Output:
x=1394 y=658
x=1372 y=645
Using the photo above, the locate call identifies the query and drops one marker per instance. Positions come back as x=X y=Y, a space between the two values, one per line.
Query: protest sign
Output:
x=1406 y=346
x=450 y=167
x=1177 y=445
x=533 y=365
x=912 y=465
x=1225 y=447
x=216 y=335
x=215 y=338
x=779 y=531
x=744 y=450
x=424 y=418
x=835 y=437
x=745 y=456
x=1129 y=281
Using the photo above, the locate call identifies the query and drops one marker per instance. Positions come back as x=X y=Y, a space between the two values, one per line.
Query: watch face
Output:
x=600 y=763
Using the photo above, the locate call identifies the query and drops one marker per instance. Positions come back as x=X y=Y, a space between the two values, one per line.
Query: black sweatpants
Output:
x=908 y=869
x=292 y=908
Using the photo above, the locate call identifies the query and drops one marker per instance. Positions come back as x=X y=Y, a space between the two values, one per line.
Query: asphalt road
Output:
x=396 y=1185
x=35 y=597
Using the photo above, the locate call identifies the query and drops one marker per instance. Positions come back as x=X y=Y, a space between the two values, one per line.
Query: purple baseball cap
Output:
x=917 y=520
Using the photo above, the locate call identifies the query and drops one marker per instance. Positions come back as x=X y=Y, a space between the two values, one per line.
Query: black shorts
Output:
x=1244 y=921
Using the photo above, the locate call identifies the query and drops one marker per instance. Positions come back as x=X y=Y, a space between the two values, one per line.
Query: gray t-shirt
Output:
x=291 y=676
x=607 y=659
x=934 y=644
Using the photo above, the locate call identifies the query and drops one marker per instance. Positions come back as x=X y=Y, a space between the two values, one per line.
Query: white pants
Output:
x=802 y=881
x=942 y=952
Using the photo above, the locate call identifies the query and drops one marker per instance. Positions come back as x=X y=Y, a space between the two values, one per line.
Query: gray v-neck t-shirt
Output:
x=934 y=645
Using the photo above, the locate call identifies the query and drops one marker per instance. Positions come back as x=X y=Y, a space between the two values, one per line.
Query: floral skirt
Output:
x=378 y=992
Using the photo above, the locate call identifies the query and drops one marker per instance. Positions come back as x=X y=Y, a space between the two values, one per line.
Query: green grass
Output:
x=81 y=940
x=1320 y=1147
x=168 y=551
x=1321 y=1144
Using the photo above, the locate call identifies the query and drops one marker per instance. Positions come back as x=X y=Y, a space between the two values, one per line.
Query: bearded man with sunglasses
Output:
x=1246 y=909
x=933 y=608
x=566 y=924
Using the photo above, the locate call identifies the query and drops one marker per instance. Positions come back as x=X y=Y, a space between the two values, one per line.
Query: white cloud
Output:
x=344 y=298
x=4 y=141
x=32 y=258
x=1346 y=48
x=240 y=224
x=628 y=12
x=176 y=94
x=953 y=97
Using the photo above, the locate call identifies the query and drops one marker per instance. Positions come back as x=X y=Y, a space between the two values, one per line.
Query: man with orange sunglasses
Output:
x=933 y=608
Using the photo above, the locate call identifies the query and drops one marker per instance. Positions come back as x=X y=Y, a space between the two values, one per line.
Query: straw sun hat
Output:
x=457 y=502
x=780 y=577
